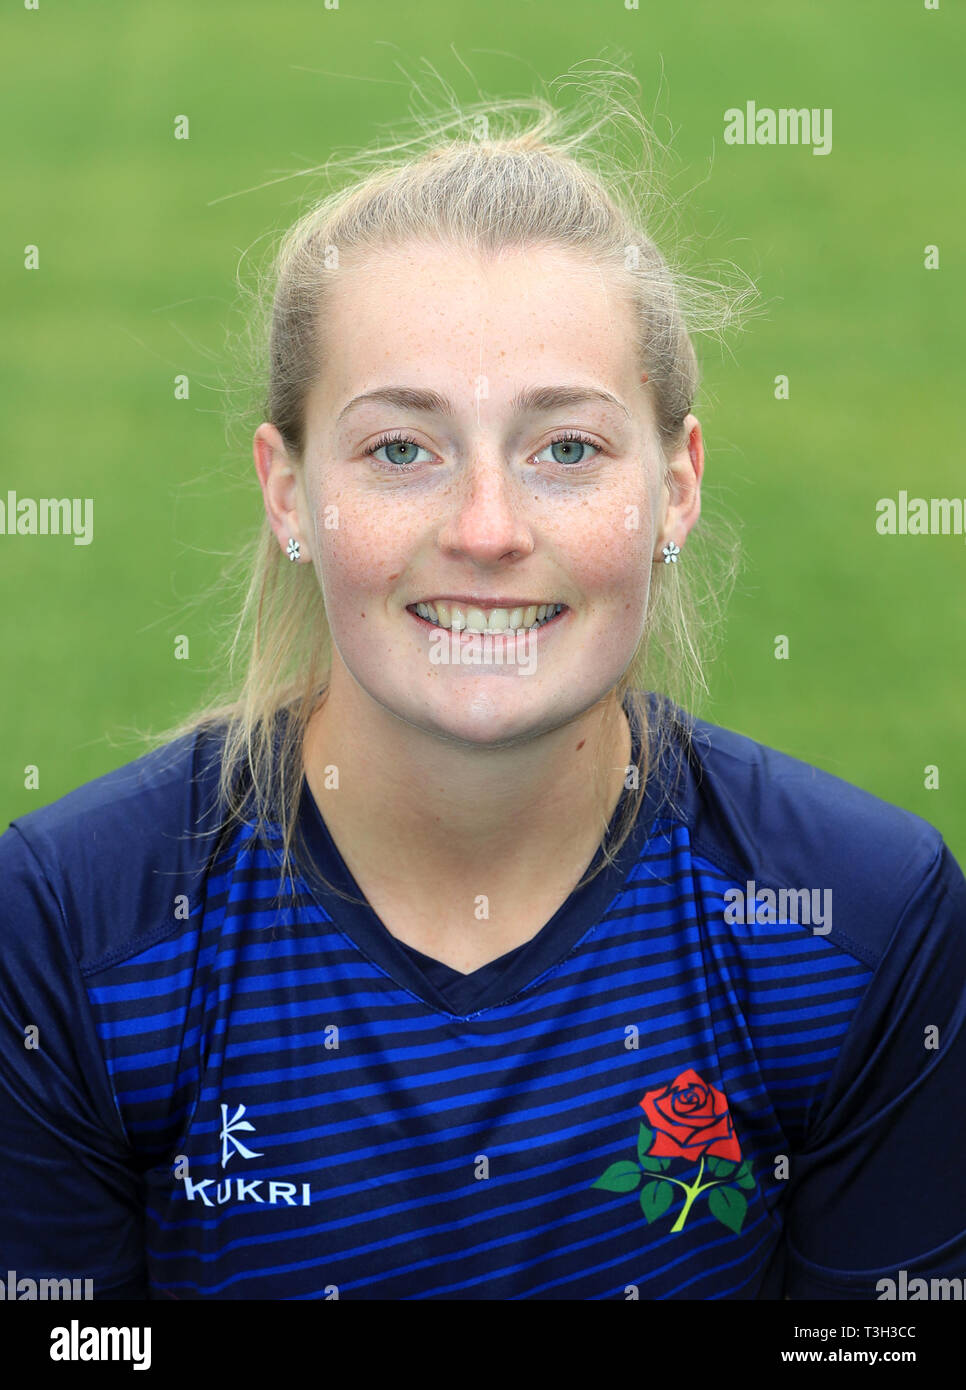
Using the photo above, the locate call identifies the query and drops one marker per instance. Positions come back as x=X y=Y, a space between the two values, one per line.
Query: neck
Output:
x=408 y=799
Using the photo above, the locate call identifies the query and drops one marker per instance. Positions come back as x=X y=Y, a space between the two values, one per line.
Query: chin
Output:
x=485 y=719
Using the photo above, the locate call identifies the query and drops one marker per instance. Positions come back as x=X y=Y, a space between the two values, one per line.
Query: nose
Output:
x=487 y=517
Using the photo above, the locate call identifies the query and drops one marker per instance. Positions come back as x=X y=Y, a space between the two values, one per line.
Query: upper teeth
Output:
x=475 y=620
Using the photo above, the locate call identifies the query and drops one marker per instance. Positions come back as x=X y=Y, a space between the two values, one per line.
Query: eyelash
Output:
x=567 y=437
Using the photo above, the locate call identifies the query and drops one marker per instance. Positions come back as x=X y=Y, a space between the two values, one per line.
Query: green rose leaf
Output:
x=656 y=1197
x=744 y=1176
x=728 y=1206
x=620 y=1177
x=720 y=1167
x=654 y=1165
x=645 y=1138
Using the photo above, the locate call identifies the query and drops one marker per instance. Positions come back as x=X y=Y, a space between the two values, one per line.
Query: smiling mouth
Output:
x=466 y=618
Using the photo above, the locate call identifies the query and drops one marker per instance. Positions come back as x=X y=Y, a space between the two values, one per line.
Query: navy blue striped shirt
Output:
x=729 y=1067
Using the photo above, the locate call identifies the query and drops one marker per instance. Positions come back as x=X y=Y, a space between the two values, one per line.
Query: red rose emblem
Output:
x=690 y=1119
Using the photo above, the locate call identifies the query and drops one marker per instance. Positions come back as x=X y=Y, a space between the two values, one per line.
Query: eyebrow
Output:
x=530 y=400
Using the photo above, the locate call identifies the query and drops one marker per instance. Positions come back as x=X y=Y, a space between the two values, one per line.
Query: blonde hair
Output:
x=478 y=177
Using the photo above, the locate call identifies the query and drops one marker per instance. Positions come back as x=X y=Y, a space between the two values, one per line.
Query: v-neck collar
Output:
x=500 y=980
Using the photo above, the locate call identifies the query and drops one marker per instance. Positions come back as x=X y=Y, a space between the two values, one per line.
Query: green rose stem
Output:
x=693 y=1190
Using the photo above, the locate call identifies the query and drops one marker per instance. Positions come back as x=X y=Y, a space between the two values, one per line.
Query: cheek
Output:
x=611 y=565
x=360 y=553
x=609 y=554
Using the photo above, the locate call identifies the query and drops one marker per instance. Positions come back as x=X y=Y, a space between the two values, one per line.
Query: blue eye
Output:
x=570 y=450
x=400 y=444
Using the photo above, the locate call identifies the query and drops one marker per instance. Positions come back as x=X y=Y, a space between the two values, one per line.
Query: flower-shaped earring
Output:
x=293 y=549
x=671 y=553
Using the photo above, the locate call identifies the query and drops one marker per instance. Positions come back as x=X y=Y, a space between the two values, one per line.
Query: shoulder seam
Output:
x=842 y=939
x=126 y=952
x=50 y=884
x=116 y=1109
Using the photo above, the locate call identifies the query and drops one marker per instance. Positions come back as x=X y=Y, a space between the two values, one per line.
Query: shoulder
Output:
x=109 y=858
x=765 y=818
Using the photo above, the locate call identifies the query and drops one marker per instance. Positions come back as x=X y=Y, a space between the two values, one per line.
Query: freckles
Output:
x=611 y=558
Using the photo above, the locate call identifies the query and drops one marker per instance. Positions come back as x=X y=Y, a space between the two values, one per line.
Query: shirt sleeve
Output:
x=71 y=1196
x=879 y=1190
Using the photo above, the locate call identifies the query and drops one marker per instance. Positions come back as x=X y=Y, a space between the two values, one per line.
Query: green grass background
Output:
x=139 y=241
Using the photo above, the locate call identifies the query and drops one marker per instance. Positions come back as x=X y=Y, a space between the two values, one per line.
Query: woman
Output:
x=446 y=961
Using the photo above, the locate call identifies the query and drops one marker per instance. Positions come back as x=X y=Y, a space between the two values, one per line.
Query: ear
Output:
x=682 y=491
x=281 y=487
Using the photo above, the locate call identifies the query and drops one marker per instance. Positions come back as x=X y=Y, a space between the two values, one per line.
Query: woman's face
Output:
x=481 y=369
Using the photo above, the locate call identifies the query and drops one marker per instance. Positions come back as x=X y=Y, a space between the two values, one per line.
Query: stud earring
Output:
x=671 y=553
x=293 y=549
